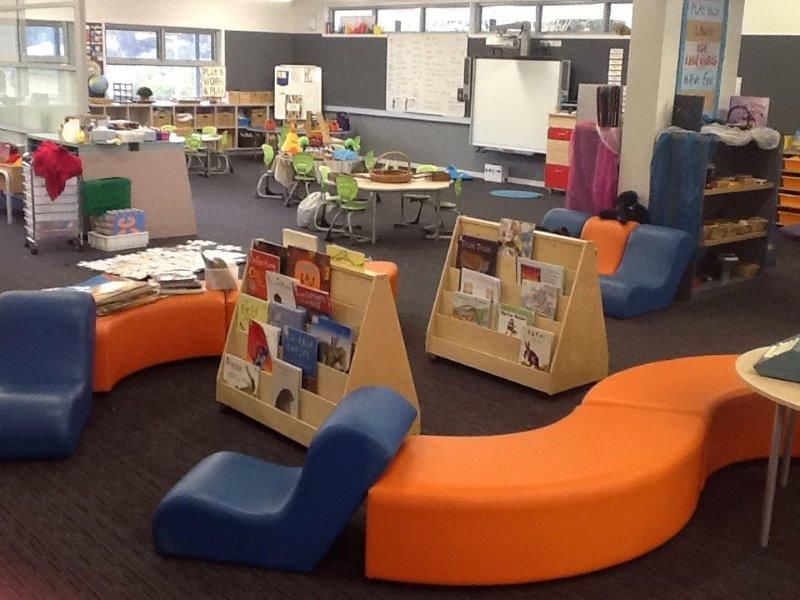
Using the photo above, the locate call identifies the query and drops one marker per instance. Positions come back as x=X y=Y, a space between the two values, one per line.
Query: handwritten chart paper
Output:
x=424 y=73
x=702 y=50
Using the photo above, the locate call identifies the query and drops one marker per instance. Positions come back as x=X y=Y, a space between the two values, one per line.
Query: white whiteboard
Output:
x=511 y=100
x=424 y=73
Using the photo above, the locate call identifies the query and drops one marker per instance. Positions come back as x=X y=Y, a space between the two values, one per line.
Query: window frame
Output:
x=424 y=25
x=536 y=28
x=63 y=36
x=161 y=46
x=421 y=10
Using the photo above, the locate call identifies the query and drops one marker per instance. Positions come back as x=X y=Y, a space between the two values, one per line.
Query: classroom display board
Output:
x=576 y=331
x=298 y=91
x=362 y=302
x=511 y=101
x=702 y=51
x=425 y=72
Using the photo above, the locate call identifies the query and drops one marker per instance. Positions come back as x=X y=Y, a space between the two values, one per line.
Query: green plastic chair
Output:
x=421 y=199
x=347 y=199
x=369 y=160
x=217 y=153
x=193 y=151
x=262 y=187
x=303 y=164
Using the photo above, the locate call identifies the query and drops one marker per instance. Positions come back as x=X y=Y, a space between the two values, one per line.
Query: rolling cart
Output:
x=46 y=218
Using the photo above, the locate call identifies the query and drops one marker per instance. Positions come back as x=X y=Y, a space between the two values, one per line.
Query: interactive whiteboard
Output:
x=511 y=101
x=424 y=73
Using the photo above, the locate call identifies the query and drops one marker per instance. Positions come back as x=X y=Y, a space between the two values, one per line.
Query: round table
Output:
x=786 y=396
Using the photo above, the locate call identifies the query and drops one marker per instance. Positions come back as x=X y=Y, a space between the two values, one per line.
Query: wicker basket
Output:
x=758 y=224
x=386 y=174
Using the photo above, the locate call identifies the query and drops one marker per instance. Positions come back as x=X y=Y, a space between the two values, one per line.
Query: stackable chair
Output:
x=415 y=198
x=346 y=200
x=46 y=358
x=214 y=151
x=303 y=164
x=263 y=181
x=193 y=150
x=239 y=509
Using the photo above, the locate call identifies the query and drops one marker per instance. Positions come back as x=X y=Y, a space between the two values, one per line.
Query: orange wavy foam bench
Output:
x=615 y=479
x=170 y=329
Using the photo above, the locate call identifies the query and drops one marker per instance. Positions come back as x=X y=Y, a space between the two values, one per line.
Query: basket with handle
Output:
x=391 y=167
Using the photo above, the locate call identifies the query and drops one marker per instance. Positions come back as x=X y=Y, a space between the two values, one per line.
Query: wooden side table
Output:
x=786 y=396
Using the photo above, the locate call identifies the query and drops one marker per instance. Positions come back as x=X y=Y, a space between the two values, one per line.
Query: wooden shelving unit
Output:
x=580 y=353
x=363 y=301
x=222 y=116
x=735 y=204
x=789 y=198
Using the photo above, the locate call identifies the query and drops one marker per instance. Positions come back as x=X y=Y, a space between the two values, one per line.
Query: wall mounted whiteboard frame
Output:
x=511 y=101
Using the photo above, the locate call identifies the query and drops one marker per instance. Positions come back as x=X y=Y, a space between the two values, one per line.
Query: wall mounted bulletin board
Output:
x=425 y=73
x=702 y=51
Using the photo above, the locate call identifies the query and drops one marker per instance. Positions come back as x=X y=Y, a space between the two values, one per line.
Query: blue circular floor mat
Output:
x=516 y=194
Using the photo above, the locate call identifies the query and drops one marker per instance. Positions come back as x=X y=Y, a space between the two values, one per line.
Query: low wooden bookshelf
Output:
x=580 y=352
x=363 y=301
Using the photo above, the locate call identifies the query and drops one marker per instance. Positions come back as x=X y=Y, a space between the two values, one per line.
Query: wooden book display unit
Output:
x=580 y=351
x=362 y=301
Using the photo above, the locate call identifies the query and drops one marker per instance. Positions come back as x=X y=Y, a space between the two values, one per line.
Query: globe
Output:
x=98 y=85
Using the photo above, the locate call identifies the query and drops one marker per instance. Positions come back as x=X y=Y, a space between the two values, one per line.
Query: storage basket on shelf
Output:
x=388 y=170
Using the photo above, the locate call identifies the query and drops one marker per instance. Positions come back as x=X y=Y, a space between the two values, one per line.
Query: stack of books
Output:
x=173 y=283
x=113 y=294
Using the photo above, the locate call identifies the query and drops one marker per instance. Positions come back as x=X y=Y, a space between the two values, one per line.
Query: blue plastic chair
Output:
x=652 y=267
x=238 y=509
x=46 y=361
x=571 y=220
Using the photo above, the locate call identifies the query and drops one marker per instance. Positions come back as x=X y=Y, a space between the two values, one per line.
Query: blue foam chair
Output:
x=572 y=220
x=238 y=509
x=650 y=272
x=46 y=360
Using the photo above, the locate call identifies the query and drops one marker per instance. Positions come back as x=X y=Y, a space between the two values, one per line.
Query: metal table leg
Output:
x=437 y=224
x=788 y=442
x=373 y=198
x=772 y=473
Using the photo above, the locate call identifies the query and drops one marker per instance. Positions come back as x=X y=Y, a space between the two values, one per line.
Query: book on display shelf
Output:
x=477 y=254
x=472 y=309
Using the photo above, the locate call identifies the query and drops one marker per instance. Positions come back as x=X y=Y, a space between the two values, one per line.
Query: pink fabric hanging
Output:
x=593 y=167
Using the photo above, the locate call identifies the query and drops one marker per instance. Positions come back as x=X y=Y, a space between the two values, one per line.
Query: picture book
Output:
x=286 y=381
x=477 y=254
x=535 y=270
x=335 y=343
x=281 y=289
x=516 y=238
x=274 y=249
x=262 y=344
x=344 y=257
x=240 y=374
x=312 y=299
x=536 y=348
x=472 y=309
x=539 y=297
x=479 y=284
x=255 y=280
x=312 y=269
x=282 y=316
x=250 y=308
x=301 y=349
x=306 y=241
x=512 y=320
x=748 y=110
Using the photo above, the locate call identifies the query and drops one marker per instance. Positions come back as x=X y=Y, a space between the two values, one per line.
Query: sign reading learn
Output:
x=702 y=51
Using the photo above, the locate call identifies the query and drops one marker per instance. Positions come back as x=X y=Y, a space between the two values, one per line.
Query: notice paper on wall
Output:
x=424 y=73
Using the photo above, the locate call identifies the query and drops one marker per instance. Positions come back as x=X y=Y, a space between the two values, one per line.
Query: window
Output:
x=45 y=40
x=352 y=14
x=573 y=18
x=131 y=43
x=621 y=19
x=166 y=60
x=451 y=18
x=409 y=18
x=508 y=13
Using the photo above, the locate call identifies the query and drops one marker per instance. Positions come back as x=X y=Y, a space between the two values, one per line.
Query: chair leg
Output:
x=262 y=180
x=351 y=234
x=290 y=194
x=333 y=225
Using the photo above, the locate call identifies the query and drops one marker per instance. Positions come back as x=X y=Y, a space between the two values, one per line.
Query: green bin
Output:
x=100 y=195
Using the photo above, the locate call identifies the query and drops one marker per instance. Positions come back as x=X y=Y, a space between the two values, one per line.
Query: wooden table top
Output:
x=777 y=390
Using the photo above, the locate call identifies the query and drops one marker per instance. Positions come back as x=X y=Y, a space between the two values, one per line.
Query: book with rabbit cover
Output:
x=536 y=348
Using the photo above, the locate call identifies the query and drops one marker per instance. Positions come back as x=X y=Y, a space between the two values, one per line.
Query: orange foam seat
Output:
x=389 y=269
x=170 y=329
x=613 y=480
x=599 y=487
x=610 y=237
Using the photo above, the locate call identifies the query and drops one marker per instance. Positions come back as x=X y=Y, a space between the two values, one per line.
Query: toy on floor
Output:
x=627 y=209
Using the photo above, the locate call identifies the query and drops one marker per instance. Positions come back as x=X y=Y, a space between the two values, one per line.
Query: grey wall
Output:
x=768 y=67
x=250 y=58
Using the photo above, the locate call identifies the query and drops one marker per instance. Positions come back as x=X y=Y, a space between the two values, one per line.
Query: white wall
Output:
x=771 y=17
x=240 y=15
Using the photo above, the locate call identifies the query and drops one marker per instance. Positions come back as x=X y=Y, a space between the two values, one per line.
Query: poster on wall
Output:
x=212 y=82
x=702 y=51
